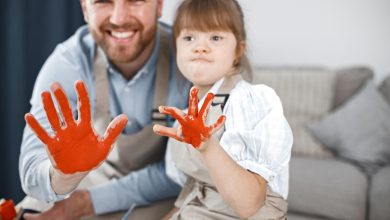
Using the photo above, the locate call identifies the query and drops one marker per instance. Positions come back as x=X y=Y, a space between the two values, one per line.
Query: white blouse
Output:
x=257 y=136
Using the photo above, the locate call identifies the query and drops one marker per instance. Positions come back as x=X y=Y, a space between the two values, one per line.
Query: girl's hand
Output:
x=192 y=129
x=74 y=147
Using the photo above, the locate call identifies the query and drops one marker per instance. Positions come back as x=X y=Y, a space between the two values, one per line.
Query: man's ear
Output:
x=84 y=9
x=159 y=7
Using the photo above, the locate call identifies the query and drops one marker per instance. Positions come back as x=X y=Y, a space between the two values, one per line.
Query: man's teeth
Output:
x=122 y=35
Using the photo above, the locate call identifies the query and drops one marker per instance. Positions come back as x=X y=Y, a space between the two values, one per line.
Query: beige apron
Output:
x=135 y=151
x=131 y=152
x=199 y=198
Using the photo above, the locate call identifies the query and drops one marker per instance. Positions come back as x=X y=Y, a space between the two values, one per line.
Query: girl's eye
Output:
x=216 y=38
x=188 y=38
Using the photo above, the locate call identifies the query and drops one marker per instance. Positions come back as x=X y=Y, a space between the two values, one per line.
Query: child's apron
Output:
x=199 y=198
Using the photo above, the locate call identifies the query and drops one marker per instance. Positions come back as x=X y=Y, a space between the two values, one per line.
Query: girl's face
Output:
x=205 y=57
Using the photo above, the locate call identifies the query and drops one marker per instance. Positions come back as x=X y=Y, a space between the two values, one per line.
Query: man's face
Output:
x=122 y=28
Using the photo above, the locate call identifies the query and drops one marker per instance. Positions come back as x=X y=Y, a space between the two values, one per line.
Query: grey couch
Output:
x=322 y=184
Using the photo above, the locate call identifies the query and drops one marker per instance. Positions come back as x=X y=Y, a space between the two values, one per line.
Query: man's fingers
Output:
x=64 y=104
x=50 y=110
x=166 y=131
x=114 y=129
x=206 y=106
x=53 y=213
x=217 y=125
x=193 y=102
x=37 y=128
x=29 y=216
x=84 y=106
x=174 y=112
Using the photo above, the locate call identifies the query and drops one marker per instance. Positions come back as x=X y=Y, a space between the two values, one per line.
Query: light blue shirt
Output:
x=73 y=60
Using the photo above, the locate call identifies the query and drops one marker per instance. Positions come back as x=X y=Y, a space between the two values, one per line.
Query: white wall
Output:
x=331 y=33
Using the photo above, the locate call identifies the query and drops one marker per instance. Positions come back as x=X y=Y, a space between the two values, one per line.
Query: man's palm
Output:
x=75 y=146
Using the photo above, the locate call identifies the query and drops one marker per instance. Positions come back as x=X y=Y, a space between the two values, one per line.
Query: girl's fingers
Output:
x=193 y=102
x=166 y=131
x=217 y=125
x=206 y=106
x=174 y=112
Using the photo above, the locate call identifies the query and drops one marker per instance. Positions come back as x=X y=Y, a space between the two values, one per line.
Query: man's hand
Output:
x=74 y=146
x=193 y=130
x=78 y=204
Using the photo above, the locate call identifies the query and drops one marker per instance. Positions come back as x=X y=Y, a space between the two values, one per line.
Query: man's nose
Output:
x=119 y=13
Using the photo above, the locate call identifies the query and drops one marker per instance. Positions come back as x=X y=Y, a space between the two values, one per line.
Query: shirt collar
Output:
x=214 y=89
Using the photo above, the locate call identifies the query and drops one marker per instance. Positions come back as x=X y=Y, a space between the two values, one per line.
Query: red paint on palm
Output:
x=75 y=146
x=193 y=128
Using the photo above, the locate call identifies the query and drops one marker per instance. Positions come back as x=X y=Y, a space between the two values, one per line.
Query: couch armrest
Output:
x=380 y=195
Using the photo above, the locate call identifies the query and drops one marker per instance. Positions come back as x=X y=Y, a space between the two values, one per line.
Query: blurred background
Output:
x=31 y=30
x=330 y=33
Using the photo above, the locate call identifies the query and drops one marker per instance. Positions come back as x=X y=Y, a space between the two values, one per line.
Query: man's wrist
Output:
x=64 y=183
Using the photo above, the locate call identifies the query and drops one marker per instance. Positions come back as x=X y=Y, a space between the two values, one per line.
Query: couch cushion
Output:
x=307 y=95
x=327 y=187
x=359 y=129
x=380 y=195
x=385 y=88
x=297 y=216
x=349 y=81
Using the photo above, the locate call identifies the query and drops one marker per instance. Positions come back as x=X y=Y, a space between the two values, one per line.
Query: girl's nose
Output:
x=201 y=48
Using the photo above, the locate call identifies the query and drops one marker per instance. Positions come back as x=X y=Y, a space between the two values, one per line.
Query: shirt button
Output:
x=271 y=178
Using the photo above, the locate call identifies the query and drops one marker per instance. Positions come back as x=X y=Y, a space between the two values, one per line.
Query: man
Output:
x=125 y=59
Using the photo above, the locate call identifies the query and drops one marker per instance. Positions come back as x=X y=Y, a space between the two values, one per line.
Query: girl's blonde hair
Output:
x=211 y=15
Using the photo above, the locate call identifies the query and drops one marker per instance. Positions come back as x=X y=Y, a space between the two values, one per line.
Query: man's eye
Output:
x=216 y=38
x=188 y=38
x=100 y=1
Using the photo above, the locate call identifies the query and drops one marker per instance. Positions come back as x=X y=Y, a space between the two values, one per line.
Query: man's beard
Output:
x=129 y=53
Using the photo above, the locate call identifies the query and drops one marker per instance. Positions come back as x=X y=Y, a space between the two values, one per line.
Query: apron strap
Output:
x=100 y=75
x=221 y=97
x=162 y=77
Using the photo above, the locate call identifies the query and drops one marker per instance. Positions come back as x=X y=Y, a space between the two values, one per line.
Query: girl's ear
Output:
x=240 y=49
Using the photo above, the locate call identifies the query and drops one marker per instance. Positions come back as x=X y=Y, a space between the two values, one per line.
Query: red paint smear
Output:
x=75 y=147
x=7 y=210
x=194 y=130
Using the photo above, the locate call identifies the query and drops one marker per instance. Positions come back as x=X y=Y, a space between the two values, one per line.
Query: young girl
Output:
x=234 y=168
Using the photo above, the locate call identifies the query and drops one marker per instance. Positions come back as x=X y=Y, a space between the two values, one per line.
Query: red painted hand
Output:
x=75 y=146
x=193 y=130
